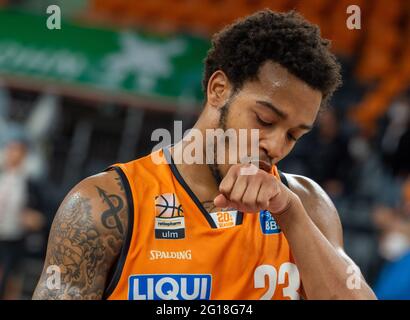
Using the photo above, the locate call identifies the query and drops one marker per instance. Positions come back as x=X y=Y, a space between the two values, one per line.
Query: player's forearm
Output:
x=324 y=271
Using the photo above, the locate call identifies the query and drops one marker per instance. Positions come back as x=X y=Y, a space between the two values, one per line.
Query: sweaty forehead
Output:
x=277 y=83
x=272 y=75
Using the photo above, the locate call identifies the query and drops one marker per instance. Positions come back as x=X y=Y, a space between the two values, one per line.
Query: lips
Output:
x=265 y=166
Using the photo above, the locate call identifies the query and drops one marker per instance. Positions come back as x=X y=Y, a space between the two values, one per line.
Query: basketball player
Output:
x=144 y=230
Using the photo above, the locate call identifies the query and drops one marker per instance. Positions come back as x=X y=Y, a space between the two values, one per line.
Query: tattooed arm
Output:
x=85 y=239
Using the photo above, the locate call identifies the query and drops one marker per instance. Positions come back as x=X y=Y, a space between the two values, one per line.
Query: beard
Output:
x=214 y=167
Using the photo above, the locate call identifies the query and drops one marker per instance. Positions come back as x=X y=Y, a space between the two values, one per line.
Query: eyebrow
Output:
x=281 y=114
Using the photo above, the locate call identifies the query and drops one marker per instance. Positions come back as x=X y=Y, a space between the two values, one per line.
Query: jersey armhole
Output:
x=283 y=178
x=115 y=272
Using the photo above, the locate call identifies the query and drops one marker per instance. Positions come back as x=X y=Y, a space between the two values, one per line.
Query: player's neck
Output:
x=198 y=176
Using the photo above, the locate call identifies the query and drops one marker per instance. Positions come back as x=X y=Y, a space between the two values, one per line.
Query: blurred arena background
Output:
x=75 y=100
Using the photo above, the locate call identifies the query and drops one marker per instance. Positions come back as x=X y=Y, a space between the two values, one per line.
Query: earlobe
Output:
x=218 y=90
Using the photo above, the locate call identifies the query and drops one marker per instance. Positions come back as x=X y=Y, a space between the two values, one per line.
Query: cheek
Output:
x=238 y=117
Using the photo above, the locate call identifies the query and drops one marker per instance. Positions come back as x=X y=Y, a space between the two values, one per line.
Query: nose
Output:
x=274 y=146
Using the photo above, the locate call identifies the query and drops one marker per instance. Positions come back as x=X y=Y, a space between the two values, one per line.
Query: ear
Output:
x=218 y=90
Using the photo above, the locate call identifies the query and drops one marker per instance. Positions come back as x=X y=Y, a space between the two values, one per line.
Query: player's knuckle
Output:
x=253 y=179
x=234 y=169
x=224 y=188
x=260 y=202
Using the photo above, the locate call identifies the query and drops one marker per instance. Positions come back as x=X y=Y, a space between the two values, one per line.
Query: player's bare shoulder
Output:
x=318 y=205
x=310 y=192
x=86 y=238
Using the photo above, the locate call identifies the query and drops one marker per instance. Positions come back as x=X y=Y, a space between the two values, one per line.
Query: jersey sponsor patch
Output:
x=169 y=287
x=169 y=217
x=268 y=223
x=224 y=219
x=177 y=255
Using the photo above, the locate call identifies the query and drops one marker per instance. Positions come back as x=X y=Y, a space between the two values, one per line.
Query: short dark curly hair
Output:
x=285 y=38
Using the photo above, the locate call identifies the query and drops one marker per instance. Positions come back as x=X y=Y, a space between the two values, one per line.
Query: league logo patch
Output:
x=169 y=287
x=169 y=217
x=268 y=223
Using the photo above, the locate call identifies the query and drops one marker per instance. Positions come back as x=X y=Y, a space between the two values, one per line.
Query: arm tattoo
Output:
x=110 y=218
x=119 y=183
x=77 y=249
x=83 y=253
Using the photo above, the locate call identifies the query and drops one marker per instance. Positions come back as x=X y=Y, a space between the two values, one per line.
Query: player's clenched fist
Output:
x=252 y=193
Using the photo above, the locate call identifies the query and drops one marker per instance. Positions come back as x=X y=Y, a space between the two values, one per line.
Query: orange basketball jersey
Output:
x=175 y=249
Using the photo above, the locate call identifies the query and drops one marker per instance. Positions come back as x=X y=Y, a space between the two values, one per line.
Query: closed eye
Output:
x=263 y=123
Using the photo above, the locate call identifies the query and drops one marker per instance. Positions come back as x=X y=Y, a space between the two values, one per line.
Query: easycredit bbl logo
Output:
x=268 y=223
x=170 y=287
